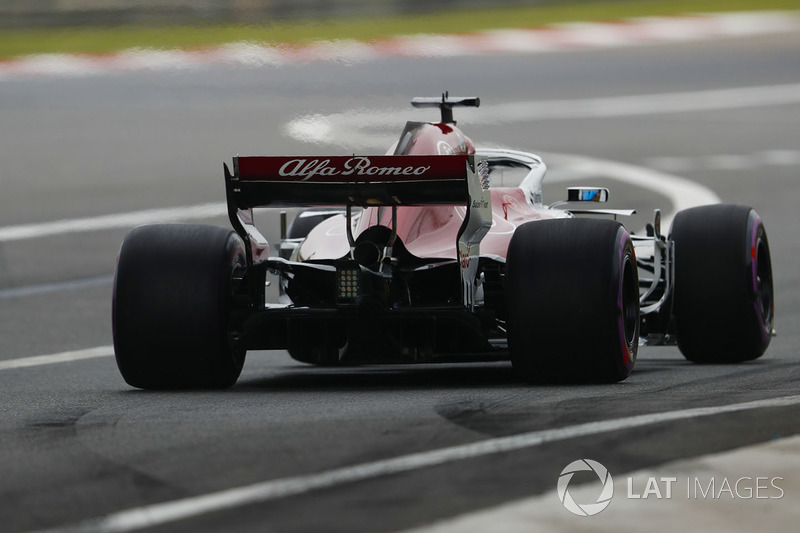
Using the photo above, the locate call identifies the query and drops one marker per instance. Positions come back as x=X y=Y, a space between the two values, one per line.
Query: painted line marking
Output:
x=172 y=511
x=369 y=128
x=681 y=193
x=651 y=104
x=115 y=221
x=47 y=288
x=728 y=162
x=63 y=357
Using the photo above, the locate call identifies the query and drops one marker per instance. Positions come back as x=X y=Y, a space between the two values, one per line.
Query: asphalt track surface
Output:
x=78 y=444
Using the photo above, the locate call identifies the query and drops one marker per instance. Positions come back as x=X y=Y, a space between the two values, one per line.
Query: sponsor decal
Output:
x=355 y=166
x=464 y=257
x=352 y=168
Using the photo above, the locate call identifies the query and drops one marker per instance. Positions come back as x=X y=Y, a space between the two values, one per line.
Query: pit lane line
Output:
x=114 y=221
x=369 y=128
x=62 y=357
x=176 y=510
x=59 y=286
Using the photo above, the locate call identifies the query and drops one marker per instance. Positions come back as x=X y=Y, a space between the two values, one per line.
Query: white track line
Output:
x=648 y=104
x=681 y=193
x=172 y=511
x=116 y=221
x=63 y=357
x=364 y=128
x=59 y=286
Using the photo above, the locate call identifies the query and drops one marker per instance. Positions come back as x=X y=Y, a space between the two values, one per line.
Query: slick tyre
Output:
x=573 y=301
x=170 y=308
x=724 y=302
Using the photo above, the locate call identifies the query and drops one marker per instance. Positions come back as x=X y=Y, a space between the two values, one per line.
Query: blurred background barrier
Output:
x=62 y=13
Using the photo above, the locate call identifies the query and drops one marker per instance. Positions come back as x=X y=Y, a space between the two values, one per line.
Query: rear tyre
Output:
x=724 y=303
x=170 y=308
x=573 y=301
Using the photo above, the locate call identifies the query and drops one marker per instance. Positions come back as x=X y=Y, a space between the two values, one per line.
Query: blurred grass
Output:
x=18 y=42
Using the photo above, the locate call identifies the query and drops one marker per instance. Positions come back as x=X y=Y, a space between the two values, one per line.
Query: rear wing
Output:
x=347 y=180
x=361 y=181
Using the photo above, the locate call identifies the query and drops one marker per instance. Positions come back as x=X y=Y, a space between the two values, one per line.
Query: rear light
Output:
x=348 y=284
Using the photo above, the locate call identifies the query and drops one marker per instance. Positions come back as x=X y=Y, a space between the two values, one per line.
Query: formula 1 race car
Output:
x=415 y=257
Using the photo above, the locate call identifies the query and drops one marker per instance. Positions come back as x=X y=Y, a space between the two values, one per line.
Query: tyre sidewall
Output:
x=566 y=282
x=170 y=306
x=717 y=311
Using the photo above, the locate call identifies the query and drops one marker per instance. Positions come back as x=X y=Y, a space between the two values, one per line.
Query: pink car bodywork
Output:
x=430 y=231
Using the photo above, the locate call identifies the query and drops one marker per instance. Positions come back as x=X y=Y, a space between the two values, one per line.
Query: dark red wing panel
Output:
x=350 y=169
x=354 y=180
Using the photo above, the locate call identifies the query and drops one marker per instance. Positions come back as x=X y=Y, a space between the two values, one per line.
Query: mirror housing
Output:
x=587 y=194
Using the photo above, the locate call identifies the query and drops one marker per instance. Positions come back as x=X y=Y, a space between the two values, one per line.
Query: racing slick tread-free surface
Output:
x=573 y=301
x=170 y=306
x=723 y=301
